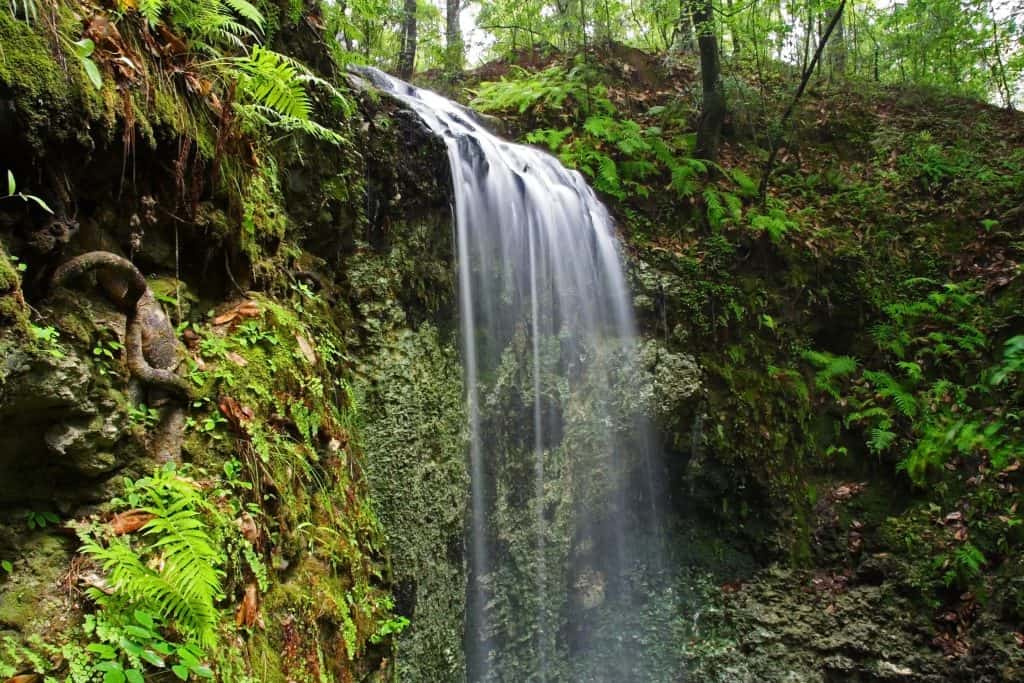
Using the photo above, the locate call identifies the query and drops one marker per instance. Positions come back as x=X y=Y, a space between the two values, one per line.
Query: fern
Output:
x=272 y=87
x=273 y=82
x=829 y=369
x=891 y=388
x=174 y=571
x=259 y=116
x=608 y=176
x=746 y=184
x=151 y=10
x=551 y=138
x=716 y=211
x=968 y=561
x=247 y=11
x=880 y=439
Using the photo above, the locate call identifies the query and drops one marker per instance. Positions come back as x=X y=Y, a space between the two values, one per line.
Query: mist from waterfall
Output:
x=563 y=496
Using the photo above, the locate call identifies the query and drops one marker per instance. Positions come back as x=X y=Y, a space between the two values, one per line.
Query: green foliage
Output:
x=830 y=369
x=553 y=88
x=185 y=587
x=12 y=192
x=933 y=403
x=40 y=519
x=208 y=23
x=124 y=645
x=83 y=50
x=272 y=89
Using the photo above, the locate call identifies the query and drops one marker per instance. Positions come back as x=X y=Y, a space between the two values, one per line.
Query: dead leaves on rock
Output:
x=25 y=678
x=248 y=613
x=236 y=414
x=238 y=312
x=112 y=50
x=129 y=521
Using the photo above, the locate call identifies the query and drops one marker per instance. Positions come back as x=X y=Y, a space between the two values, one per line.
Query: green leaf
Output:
x=187 y=658
x=134 y=676
x=103 y=650
x=181 y=671
x=84 y=47
x=7 y=566
x=203 y=671
x=139 y=632
x=93 y=72
x=37 y=200
x=11 y=185
x=153 y=658
x=114 y=676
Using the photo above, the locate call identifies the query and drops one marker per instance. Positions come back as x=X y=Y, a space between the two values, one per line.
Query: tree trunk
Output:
x=454 y=49
x=407 y=57
x=836 y=44
x=804 y=80
x=734 y=35
x=712 y=112
x=682 y=37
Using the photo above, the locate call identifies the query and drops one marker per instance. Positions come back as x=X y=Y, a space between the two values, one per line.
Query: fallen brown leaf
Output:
x=245 y=309
x=236 y=414
x=127 y=522
x=248 y=611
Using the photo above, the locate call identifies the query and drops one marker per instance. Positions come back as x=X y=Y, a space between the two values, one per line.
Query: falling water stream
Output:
x=559 y=465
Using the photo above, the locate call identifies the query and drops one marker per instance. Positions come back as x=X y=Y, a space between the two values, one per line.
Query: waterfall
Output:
x=559 y=457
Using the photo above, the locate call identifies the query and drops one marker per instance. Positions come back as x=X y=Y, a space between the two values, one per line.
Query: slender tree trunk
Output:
x=808 y=72
x=683 y=37
x=734 y=34
x=997 y=48
x=454 y=50
x=836 y=44
x=712 y=114
x=807 y=39
x=407 y=57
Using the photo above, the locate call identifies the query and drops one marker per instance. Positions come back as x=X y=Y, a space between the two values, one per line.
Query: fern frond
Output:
x=260 y=116
x=151 y=10
x=273 y=82
x=682 y=181
x=880 y=439
x=247 y=11
x=193 y=613
x=889 y=387
x=183 y=584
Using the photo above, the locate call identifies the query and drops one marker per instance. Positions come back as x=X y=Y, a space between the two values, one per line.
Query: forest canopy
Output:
x=969 y=47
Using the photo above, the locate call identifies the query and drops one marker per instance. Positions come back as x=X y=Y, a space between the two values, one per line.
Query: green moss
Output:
x=13 y=311
x=50 y=100
x=414 y=430
x=30 y=595
x=291 y=431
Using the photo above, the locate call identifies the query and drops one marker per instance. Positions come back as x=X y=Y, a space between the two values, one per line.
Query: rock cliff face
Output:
x=325 y=425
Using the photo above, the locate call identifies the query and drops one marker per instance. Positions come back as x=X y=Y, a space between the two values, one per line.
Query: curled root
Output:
x=151 y=345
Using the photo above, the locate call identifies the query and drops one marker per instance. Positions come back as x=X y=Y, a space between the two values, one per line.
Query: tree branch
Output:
x=808 y=72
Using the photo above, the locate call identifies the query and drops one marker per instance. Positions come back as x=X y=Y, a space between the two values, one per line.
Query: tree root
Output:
x=151 y=346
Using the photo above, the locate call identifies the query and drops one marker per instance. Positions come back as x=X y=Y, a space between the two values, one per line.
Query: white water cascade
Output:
x=559 y=459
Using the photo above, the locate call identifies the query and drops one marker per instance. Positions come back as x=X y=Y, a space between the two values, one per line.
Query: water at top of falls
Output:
x=540 y=279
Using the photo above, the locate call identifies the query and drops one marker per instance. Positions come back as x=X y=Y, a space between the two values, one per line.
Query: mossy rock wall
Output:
x=341 y=371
